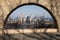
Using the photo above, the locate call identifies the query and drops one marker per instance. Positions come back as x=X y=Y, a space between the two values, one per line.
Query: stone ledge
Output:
x=17 y=31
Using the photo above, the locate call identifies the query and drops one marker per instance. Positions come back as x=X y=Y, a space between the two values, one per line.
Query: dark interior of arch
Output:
x=30 y=16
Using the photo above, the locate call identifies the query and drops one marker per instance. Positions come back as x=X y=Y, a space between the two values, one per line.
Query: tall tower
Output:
x=22 y=17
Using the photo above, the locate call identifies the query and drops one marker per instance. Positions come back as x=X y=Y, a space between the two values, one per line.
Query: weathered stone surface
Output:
x=7 y=5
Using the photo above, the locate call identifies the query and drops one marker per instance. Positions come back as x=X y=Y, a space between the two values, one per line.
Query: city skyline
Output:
x=30 y=10
x=30 y=16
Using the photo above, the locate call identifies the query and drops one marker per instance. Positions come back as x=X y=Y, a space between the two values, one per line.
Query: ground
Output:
x=31 y=36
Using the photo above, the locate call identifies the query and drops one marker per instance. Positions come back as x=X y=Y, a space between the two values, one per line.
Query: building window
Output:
x=30 y=16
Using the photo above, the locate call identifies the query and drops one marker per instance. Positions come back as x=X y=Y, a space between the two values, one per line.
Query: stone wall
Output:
x=7 y=5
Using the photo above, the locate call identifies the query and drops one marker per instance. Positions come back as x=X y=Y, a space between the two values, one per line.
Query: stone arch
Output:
x=55 y=21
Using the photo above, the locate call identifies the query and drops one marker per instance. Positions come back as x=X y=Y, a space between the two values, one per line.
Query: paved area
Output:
x=31 y=36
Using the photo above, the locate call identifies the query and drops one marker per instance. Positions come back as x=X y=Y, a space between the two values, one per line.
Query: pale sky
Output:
x=30 y=10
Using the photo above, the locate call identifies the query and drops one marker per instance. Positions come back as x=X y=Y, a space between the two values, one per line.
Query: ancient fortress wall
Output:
x=7 y=5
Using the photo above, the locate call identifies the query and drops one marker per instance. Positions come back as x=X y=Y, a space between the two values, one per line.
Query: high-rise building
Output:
x=28 y=19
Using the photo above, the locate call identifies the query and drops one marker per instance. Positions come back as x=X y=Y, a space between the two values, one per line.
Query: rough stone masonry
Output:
x=7 y=5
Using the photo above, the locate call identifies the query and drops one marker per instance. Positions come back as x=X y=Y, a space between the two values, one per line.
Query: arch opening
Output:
x=30 y=16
